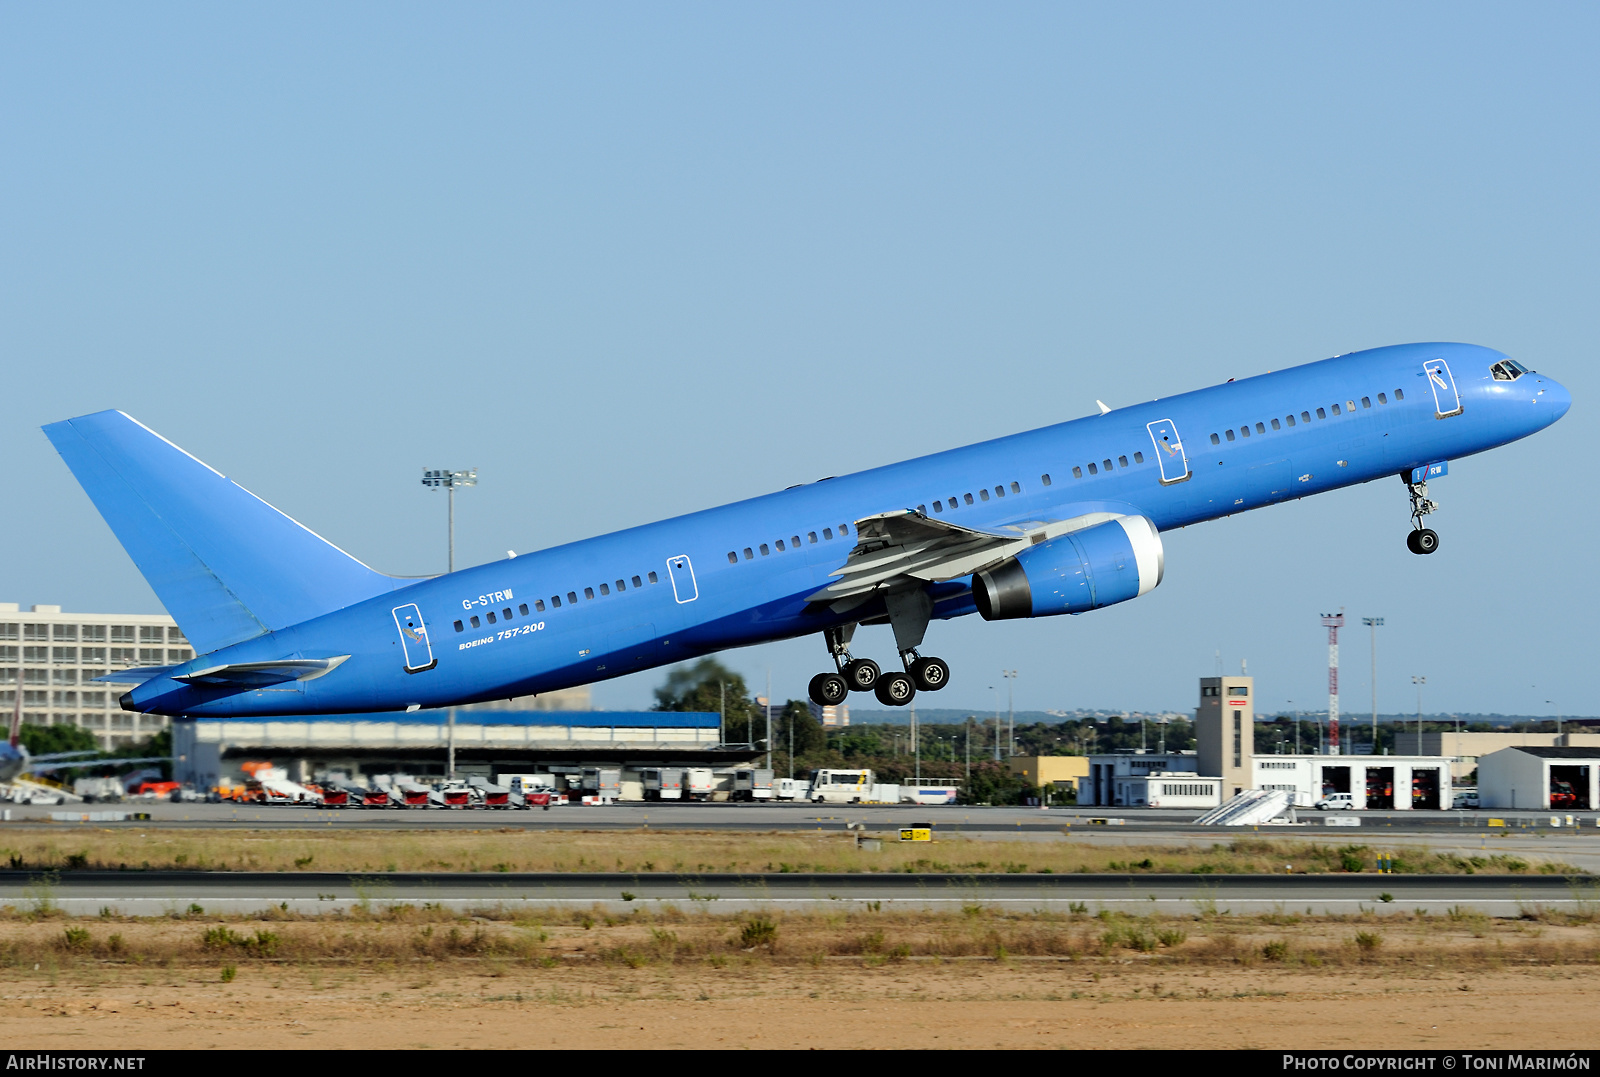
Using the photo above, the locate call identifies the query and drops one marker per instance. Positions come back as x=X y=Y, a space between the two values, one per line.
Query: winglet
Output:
x=1101 y=404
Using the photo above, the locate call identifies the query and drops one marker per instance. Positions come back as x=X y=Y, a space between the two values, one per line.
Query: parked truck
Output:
x=752 y=784
x=662 y=783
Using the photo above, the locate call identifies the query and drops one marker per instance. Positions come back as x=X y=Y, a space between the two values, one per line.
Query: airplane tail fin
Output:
x=227 y=565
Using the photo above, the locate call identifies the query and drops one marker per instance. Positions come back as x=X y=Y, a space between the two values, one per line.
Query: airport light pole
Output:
x=1557 y=706
x=769 y=719
x=1011 y=711
x=996 y=692
x=441 y=479
x=1373 y=624
x=1419 y=682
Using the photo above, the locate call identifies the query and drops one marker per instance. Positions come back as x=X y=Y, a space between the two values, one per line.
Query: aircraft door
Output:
x=1446 y=400
x=684 y=587
x=1169 y=451
x=414 y=638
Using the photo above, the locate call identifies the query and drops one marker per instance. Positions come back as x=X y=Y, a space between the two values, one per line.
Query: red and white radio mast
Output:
x=1333 y=622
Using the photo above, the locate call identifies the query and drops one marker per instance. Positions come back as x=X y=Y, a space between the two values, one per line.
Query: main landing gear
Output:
x=926 y=674
x=1422 y=539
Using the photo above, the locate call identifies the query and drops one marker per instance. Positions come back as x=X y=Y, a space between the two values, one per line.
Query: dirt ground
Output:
x=1018 y=1005
x=428 y=979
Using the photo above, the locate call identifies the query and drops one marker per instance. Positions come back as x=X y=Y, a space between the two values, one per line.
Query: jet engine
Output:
x=1082 y=570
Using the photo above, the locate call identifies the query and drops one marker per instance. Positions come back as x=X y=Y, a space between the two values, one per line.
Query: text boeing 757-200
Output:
x=1064 y=519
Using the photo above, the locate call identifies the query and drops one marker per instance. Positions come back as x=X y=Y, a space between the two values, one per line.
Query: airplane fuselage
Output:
x=741 y=574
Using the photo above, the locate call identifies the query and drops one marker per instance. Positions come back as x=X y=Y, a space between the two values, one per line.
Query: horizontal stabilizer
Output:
x=259 y=674
x=87 y=764
x=226 y=565
x=136 y=675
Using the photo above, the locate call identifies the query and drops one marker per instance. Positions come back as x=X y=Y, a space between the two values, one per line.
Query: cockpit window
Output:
x=1508 y=370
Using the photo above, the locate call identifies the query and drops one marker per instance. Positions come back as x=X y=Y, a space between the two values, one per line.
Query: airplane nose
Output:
x=1554 y=396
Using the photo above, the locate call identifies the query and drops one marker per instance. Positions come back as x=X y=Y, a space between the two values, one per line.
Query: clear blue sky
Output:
x=634 y=260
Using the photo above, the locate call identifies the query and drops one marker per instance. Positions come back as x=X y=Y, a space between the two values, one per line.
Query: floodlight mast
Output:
x=1373 y=624
x=438 y=478
x=434 y=479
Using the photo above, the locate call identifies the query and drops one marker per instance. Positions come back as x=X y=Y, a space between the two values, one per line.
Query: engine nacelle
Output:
x=1083 y=570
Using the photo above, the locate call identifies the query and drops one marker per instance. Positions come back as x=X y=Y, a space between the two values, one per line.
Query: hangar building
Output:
x=1540 y=778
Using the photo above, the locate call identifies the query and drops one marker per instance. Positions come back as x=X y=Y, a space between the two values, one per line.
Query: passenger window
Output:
x=1276 y=425
x=733 y=558
x=765 y=552
x=1349 y=405
x=748 y=554
x=999 y=491
x=923 y=509
x=1336 y=409
x=968 y=498
x=1106 y=464
x=460 y=627
x=1399 y=394
x=588 y=594
x=1261 y=428
x=1383 y=398
x=1305 y=416
x=983 y=495
x=1366 y=402
x=1016 y=488
x=653 y=579
x=1093 y=470
x=490 y=617
x=1228 y=434
x=538 y=605
x=1215 y=440
x=621 y=586
x=572 y=598
x=844 y=529
x=827 y=534
x=476 y=623
x=637 y=582
x=1077 y=472
x=1244 y=431
x=1321 y=414
x=605 y=590
x=523 y=609
x=1044 y=480
x=555 y=600
x=794 y=542
x=938 y=506
x=506 y=613
x=811 y=536
x=1123 y=460
x=1138 y=457
x=780 y=546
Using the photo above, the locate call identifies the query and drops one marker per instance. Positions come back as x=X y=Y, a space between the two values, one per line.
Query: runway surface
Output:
x=181 y=893
x=952 y=820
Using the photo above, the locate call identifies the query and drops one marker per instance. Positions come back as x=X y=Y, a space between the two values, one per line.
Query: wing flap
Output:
x=259 y=674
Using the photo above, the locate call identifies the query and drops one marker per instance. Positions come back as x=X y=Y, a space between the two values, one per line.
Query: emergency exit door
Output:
x=414 y=638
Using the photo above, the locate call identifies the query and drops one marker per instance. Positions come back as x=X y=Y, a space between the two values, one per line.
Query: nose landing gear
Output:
x=1422 y=540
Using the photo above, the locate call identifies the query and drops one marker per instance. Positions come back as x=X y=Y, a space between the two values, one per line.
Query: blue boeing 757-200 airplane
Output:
x=1064 y=519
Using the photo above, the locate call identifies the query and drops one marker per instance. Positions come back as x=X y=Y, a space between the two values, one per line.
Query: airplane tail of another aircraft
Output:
x=227 y=565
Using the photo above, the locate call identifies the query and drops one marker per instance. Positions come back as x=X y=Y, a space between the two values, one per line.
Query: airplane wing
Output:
x=906 y=545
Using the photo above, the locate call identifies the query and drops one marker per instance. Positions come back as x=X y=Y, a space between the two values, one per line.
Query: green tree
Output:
x=708 y=685
x=48 y=739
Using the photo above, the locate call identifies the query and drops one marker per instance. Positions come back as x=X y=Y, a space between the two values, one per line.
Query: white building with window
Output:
x=1394 y=782
x=53 y=658
x=1121 y=779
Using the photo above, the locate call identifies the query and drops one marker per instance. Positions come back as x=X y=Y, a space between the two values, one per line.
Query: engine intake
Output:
x=1084 y=570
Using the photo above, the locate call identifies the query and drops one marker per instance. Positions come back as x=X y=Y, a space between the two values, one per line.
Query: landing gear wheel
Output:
x=862 y=674
x=895 y=690
x=931 y=674
x=828 y=690
x=1424 y=541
